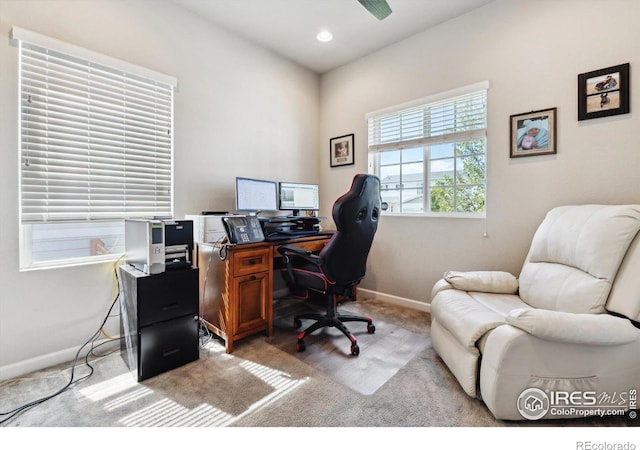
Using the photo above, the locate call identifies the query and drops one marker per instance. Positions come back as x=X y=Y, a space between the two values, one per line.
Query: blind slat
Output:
x=96 y=142
x=447 y=120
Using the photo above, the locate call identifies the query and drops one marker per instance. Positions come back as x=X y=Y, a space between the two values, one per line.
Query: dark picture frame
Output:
x=341 y=150
x=603 y=92
x=533 y=133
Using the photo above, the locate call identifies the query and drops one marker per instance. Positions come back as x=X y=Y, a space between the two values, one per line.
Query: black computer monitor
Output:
x=298 y=197
x=256 y=195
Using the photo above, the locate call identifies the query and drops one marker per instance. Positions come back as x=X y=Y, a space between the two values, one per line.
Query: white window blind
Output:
x=96 y=147
x=449 y=117
x=96 y=141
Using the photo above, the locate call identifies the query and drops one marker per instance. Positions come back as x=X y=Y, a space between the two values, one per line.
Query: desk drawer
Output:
x=250 y=261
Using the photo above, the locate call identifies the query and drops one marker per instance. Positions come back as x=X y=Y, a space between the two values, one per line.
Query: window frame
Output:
x=81 y=63
x=425 y=141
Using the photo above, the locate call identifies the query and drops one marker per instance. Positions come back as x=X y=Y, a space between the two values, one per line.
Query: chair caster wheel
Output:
x=371 y=328
x=355 y=350
x=300 y=347
x=297 y=323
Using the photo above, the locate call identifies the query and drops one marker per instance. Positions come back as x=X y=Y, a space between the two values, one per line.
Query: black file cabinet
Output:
x=159 y=320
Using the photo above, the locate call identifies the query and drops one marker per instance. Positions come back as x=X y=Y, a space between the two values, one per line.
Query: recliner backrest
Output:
x=625 y=293
x=575 y=256
x=356 y=215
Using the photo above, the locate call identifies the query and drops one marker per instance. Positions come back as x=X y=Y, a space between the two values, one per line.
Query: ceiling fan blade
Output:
x=379 y=8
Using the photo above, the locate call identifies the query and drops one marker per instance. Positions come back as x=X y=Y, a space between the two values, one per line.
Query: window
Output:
x=430 y=154
x=96 y=147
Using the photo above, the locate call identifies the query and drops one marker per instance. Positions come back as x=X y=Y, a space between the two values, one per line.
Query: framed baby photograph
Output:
x=603 y=92
x=341 y=150
x=533 y=133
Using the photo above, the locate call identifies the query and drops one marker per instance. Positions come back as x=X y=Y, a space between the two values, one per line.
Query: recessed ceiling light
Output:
x=324 y=36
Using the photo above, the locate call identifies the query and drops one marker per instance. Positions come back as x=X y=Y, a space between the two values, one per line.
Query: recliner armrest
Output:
x=573 y=328
x=495 y=282
x=441 y=285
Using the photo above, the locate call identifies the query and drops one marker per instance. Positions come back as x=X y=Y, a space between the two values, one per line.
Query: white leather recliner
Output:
x=563 y=339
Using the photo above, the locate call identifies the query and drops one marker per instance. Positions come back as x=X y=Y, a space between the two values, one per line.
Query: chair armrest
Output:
x=572 y=328
x=289 y=251
x=494 y=282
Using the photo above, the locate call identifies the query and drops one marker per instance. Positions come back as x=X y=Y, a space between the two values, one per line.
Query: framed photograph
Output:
x=603 y=92
x=533 y=133
x=341 y=150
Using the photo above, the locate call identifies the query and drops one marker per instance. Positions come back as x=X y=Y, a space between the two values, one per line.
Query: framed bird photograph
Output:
x=603 y=92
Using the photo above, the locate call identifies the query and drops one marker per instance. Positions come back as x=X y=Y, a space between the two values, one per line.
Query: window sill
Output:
x=62 y=264
x=438 y=215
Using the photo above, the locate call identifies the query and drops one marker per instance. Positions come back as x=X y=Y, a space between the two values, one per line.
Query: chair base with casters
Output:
x=331 y=319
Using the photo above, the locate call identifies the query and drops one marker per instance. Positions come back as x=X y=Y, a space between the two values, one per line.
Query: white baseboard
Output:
x=413 y=304
x=45 y=361
x=409 y=303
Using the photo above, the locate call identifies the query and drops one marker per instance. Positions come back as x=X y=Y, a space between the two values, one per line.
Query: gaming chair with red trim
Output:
x=342 y=262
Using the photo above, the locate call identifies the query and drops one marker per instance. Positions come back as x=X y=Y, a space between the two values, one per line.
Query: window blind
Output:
x=430 y=121
x=96 y=141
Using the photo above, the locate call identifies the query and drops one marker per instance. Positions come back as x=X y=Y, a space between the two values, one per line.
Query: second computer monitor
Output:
x=296 y=197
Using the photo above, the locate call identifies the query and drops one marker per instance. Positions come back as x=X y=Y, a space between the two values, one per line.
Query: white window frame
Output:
x=416 y=139
x=85 y=117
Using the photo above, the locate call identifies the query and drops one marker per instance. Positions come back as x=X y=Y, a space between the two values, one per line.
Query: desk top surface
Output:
x=325 y=235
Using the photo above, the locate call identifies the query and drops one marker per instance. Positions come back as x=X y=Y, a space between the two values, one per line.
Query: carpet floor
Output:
x=265 y=383
x=382 y=354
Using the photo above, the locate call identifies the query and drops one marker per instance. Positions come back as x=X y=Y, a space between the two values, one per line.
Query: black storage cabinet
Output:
x=159 y=320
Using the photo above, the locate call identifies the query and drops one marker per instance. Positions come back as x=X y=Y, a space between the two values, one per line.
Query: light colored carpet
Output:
x=259 y=385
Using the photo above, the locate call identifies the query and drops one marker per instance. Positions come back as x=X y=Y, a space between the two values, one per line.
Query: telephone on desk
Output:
x=243 y=229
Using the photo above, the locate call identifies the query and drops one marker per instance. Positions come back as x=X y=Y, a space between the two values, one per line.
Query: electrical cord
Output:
x=13 y=413
x=223 y=243
x=205 y=335
x=115 y=292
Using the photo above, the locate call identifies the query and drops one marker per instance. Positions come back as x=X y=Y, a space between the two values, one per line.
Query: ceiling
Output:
x=289 y=27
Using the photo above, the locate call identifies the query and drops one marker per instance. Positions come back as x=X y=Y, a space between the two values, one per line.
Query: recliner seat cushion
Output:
x=575 y=255
x=468 y=318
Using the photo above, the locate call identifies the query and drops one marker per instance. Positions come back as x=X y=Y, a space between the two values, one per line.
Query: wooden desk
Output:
x=236 y=286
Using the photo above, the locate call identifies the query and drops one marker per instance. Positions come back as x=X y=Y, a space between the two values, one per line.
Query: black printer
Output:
x=178 y=243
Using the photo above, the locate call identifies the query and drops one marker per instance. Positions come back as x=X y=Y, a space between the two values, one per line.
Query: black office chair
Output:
x=342 y=262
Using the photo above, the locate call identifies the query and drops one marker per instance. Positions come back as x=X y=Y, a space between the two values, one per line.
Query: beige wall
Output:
x=239 y=110
x=531 y=51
